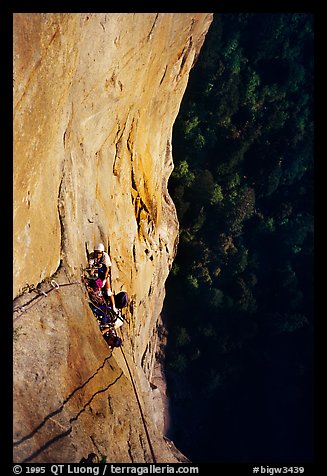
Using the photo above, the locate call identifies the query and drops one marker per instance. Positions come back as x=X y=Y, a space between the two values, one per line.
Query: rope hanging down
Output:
x=41 y=295
x=141 y=411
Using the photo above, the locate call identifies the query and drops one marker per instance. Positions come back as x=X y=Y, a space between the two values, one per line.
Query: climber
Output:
x=111 y=337
x=100 y=259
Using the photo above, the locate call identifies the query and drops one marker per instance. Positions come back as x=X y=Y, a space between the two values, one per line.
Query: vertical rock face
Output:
x=95 y=99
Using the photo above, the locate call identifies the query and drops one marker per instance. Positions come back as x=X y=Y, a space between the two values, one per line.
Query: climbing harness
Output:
x=120 y=316
x=54 y=285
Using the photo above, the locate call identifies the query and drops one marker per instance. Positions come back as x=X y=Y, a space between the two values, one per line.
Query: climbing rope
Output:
x=140 y=407
x=134 y=386
x=41 y=295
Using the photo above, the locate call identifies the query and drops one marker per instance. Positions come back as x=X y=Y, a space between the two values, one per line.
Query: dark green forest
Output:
x=240 y=297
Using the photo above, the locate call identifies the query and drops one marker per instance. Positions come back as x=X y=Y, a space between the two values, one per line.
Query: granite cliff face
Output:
x=95 y=99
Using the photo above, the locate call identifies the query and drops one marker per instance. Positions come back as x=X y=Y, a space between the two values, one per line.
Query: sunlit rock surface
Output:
x=95 y=99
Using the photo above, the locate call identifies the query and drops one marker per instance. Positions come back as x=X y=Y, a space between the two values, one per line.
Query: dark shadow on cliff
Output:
x=240 y=295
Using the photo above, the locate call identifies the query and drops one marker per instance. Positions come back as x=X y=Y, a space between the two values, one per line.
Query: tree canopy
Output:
x=240 y=295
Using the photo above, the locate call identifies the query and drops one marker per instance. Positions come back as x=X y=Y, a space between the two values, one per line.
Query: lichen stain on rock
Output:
x=95 y=99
